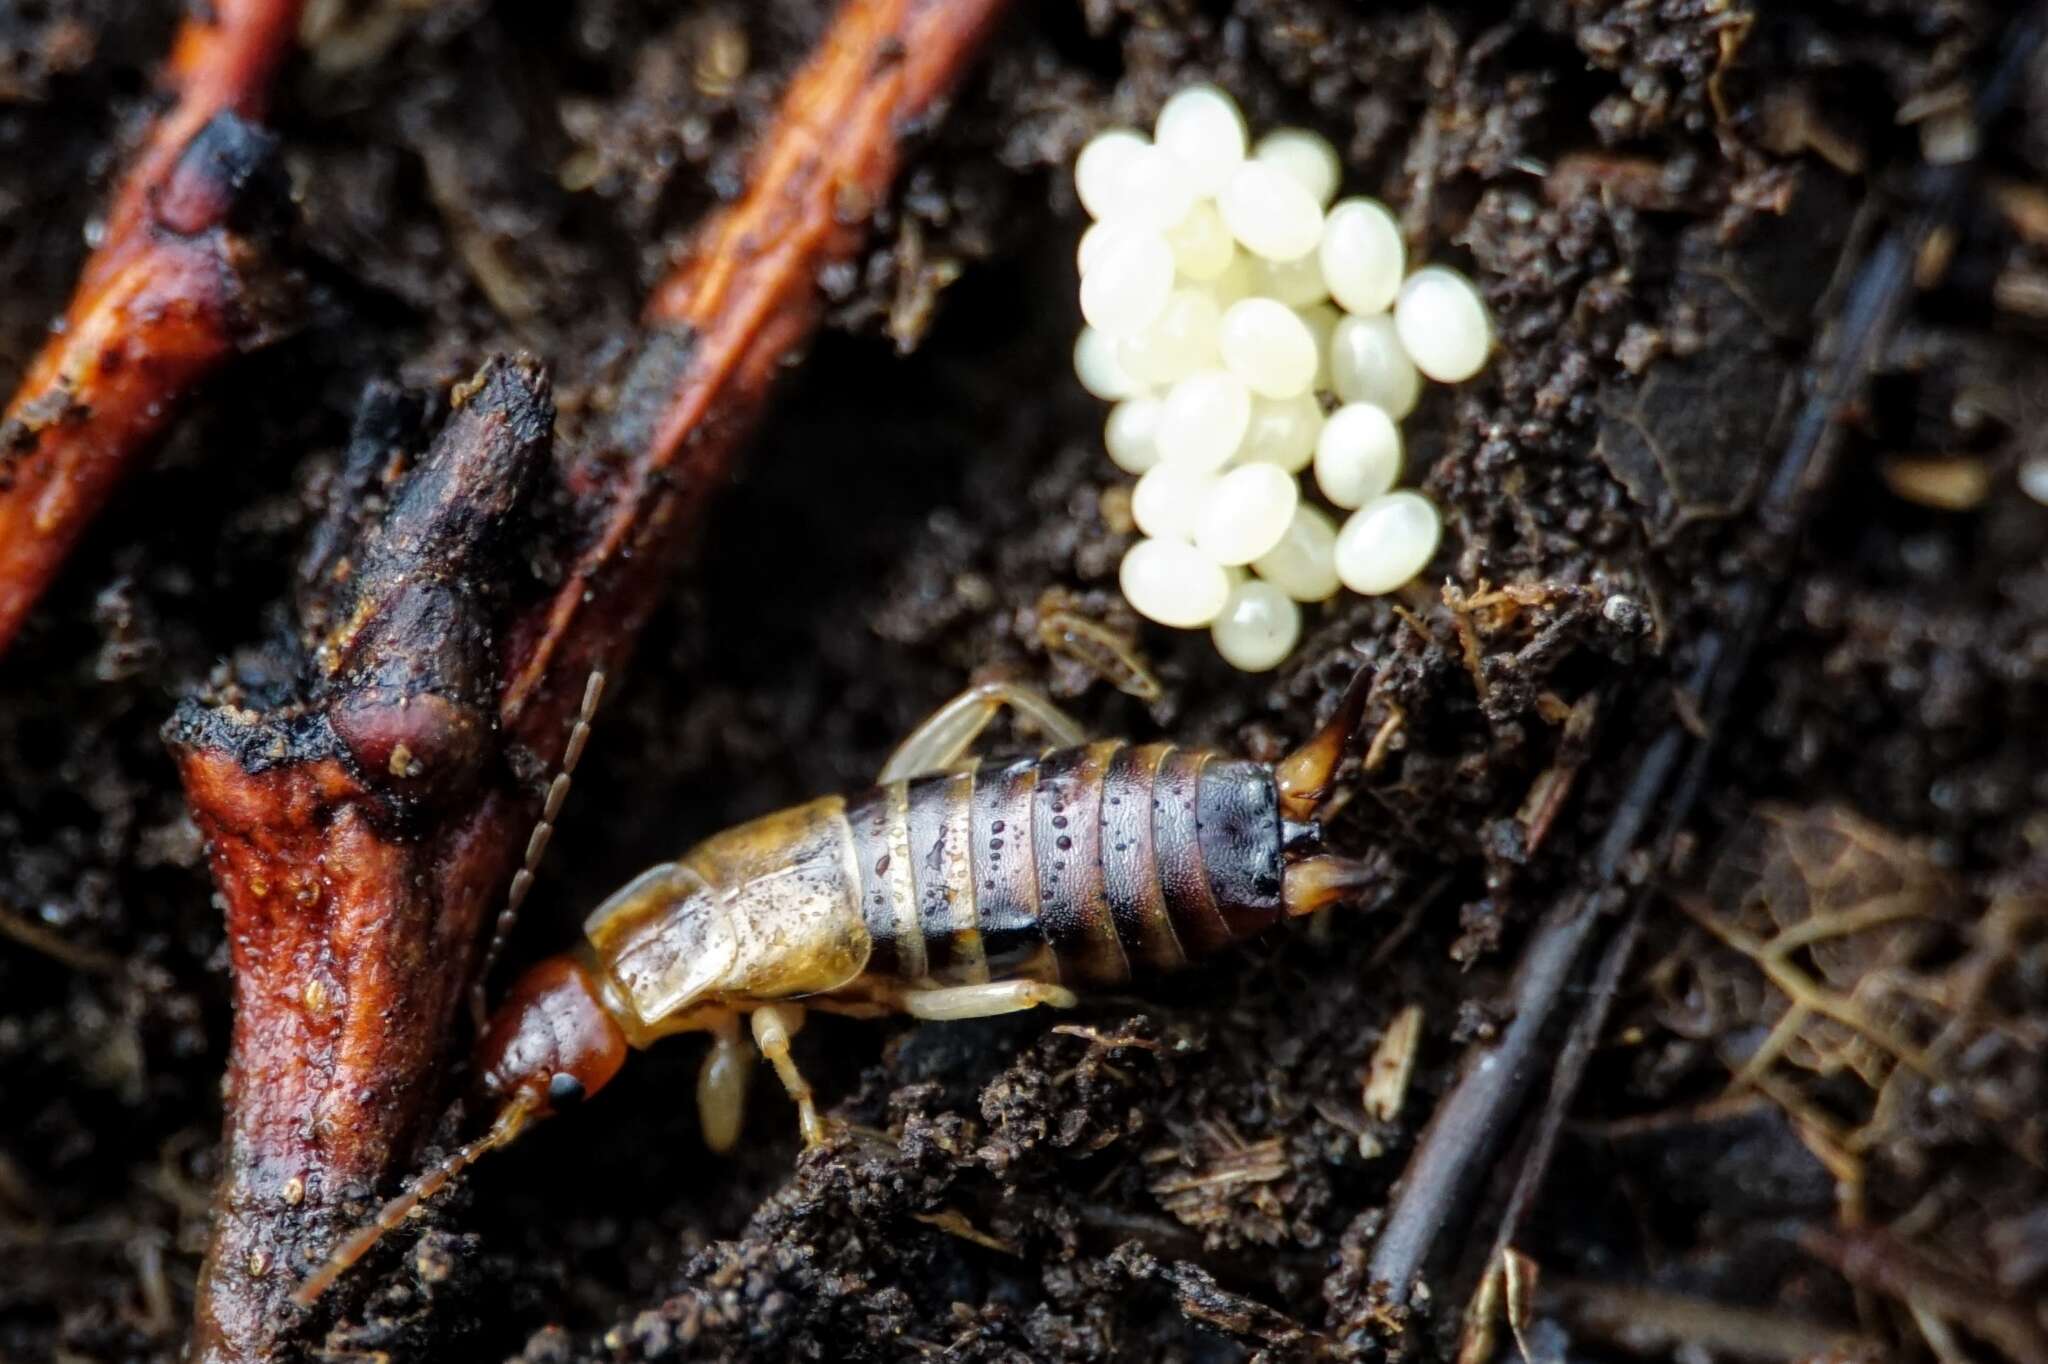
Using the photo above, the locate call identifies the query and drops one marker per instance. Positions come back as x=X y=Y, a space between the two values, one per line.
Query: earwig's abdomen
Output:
x=1085 y=865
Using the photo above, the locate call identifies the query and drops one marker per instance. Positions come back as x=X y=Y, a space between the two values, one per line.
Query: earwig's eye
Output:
x=564 y=1089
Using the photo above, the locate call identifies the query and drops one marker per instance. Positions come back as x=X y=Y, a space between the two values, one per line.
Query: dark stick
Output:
x=1475 y=1116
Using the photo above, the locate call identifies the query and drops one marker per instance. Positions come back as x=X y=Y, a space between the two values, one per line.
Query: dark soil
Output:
x=1656 y=197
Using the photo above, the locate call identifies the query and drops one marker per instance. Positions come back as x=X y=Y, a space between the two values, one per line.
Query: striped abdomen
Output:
x=1083 y=866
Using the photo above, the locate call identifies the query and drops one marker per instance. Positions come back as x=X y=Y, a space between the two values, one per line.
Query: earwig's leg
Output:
x=774 y=1025
x=722 y=1086
x=985 y=1001
x=1304 y=776
x=942 y=740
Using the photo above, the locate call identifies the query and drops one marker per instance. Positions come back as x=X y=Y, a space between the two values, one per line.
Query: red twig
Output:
x=721 y=326
x=167 y=297
x=360 y=833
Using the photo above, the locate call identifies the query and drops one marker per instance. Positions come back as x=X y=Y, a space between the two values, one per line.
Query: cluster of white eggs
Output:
x=1247 y=328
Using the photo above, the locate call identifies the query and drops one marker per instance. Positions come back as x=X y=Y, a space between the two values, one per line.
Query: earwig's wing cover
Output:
x=665 y=939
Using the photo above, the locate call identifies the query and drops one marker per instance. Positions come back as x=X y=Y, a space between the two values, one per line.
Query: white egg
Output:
x=1202 y=248
x=1128 y=283
x=1321 y=320
x=1269 y=212
x=1387 y=542
x=1131 y=434
x=1173 y=583
x=1202 y=127
x=1304 y=563
x=1307 y=158
x=1167 y=501
x=1297 y=283
x=1362 y=257
x=1204 y=420
x=1091 y=244
x=1153 y=189
x=1443 y=325
x=1246 y=512
x=1235 y=280
x=1358 y=454
x=1268 y=346
x=1098 y=369
x=1257 y=627
x=1283 y=431
x=1369 y=365
x=1098 y=169
x=1180 y=341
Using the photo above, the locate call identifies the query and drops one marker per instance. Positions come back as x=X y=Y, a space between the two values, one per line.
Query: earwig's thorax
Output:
x=662 y=944
x=768 y=910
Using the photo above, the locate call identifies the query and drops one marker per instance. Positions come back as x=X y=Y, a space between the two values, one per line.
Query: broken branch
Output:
x=178 y=286
x=360 y=831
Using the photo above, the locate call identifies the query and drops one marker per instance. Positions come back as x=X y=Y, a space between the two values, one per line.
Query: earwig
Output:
x=946 y=891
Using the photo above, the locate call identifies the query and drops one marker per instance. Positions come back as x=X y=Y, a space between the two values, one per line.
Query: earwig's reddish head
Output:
x=552 y=1040
x=550 y=1044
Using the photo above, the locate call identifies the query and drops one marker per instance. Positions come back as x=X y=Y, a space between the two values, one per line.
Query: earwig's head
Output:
x=551 y=1041
x=550 y=1044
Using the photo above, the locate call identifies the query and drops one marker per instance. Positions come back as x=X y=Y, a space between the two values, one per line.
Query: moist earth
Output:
x=1660 y=201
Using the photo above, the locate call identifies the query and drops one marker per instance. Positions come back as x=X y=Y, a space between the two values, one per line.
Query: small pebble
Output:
x=1204 y=420
x=1202 y=127
x=1128 y=287
x=1246 y=512
x=1180 y=341
x=1368 y=365
x=2034 y=480
x=1443 y=325
x=1265 y=344
x=1257 y=627
x=1269 y=212
x=1358 y=454
x=1098 y=369
x=1362 y=258
x=1167 y=502
x=1131 y=434
x=1098 y=170
x=1283 y=431
x=1304 y=563
x=1306 y=158
x=1202 y=247
x=1173 y=583
x=1387 y=542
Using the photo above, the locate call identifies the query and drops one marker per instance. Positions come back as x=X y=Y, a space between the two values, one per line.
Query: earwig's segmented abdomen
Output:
x=1085 y=865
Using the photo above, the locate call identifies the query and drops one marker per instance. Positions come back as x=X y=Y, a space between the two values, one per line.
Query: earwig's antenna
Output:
x=510 y=1123
x=536 y=844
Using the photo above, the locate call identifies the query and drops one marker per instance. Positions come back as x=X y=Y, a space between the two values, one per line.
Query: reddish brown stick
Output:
x=158 y=307
x=360 y=836
x=724 y=323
